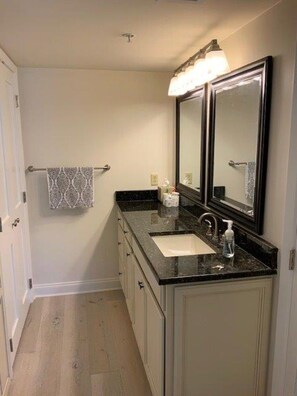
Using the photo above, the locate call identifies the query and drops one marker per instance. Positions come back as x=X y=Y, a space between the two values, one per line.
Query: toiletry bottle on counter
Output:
x=165 y=188
x=228 y=247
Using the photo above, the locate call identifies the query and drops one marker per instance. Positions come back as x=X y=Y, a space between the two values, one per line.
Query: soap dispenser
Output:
x=228 y=247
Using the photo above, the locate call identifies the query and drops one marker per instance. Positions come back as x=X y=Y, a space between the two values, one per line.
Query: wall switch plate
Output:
x=154 y=179
x=189 y=177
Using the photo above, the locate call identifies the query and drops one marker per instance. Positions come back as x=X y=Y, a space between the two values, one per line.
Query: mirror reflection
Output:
x=237 y=117
x=190 y=119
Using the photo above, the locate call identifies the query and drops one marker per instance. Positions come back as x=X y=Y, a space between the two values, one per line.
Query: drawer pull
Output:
x=141 y=285
x=119 y=243
x=119 y=219
x=120 y=273
x=126 y=232
x=128 y=254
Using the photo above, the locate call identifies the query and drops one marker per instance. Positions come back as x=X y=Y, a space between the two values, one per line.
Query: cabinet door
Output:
x=139 y=308
x=121 y=256
x=127 y=264
x=221 y=334
x=154 y=345
x=130 y=286
x=120 y=242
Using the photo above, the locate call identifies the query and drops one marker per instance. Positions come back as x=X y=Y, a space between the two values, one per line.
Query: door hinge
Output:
x=292 y=259
x=24 y=197
x=17 y=102
x=1 y=229
x=30 y=282
x=11 y=345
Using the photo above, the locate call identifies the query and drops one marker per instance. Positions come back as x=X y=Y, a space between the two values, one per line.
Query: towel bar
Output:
x=232 y=163
x=32 y=169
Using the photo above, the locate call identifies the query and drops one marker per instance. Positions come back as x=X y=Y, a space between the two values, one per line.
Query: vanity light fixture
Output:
x=208 y=63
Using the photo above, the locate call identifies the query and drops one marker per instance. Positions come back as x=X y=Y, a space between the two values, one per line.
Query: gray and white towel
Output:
x=70 y=188
x=250 y=171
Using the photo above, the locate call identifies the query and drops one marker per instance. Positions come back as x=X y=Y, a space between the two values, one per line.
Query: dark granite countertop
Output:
x=146 y=217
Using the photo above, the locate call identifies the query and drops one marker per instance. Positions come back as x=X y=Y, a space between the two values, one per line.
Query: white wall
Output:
x=274 y=33
x=80 y=117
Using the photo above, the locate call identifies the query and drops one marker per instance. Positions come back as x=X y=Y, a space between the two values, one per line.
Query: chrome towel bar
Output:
x=232 y=163
x=32 y=169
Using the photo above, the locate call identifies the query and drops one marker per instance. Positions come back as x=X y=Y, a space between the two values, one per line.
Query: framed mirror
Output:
x=238 y=143
x=190 y=144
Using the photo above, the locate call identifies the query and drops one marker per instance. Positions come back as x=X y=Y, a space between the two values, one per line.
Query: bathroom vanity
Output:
x=201 y=322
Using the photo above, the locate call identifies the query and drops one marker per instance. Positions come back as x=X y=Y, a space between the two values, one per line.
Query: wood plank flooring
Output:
x=79 y=345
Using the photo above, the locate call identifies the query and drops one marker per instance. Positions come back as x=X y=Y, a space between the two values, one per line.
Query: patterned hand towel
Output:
x=250 y=181
x=70 y=188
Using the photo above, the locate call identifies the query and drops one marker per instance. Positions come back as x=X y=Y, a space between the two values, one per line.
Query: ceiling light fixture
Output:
x=128 y=36
x=208 y=63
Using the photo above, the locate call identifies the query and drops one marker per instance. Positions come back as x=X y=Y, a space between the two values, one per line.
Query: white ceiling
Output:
x=87 y=33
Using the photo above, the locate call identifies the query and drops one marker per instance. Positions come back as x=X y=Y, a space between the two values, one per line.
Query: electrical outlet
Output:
x=189 y=177
x=154 y=179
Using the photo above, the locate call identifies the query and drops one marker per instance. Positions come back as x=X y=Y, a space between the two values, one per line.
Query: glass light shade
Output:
x=181 y=84
x=217 y=63
x=199 y=72
x=172 y=86
x=189 y=77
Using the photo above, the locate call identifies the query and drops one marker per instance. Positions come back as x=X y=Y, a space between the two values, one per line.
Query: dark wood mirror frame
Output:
x=197 y=196
x=255 y=223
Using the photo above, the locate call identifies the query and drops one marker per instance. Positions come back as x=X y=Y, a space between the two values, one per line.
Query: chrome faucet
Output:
x=216 y=231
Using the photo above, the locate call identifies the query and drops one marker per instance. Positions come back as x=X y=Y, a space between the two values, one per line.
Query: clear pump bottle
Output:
x=228 y=247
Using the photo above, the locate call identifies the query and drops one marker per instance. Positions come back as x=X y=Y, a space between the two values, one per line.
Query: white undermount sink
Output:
x=181 y=245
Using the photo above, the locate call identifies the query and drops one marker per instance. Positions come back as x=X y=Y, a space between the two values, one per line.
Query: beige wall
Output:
x=77 y=117
x=274 y=33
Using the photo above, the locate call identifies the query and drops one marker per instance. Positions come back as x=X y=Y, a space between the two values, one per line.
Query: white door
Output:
x=14 y=238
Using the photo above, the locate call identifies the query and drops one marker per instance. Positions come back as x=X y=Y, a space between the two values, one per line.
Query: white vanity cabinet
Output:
x=207 y=338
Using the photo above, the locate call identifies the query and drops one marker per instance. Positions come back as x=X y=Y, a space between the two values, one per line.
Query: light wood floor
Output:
x=79 y=345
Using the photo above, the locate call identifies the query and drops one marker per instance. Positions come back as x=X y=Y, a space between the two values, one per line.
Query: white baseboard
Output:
x=76 y=287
